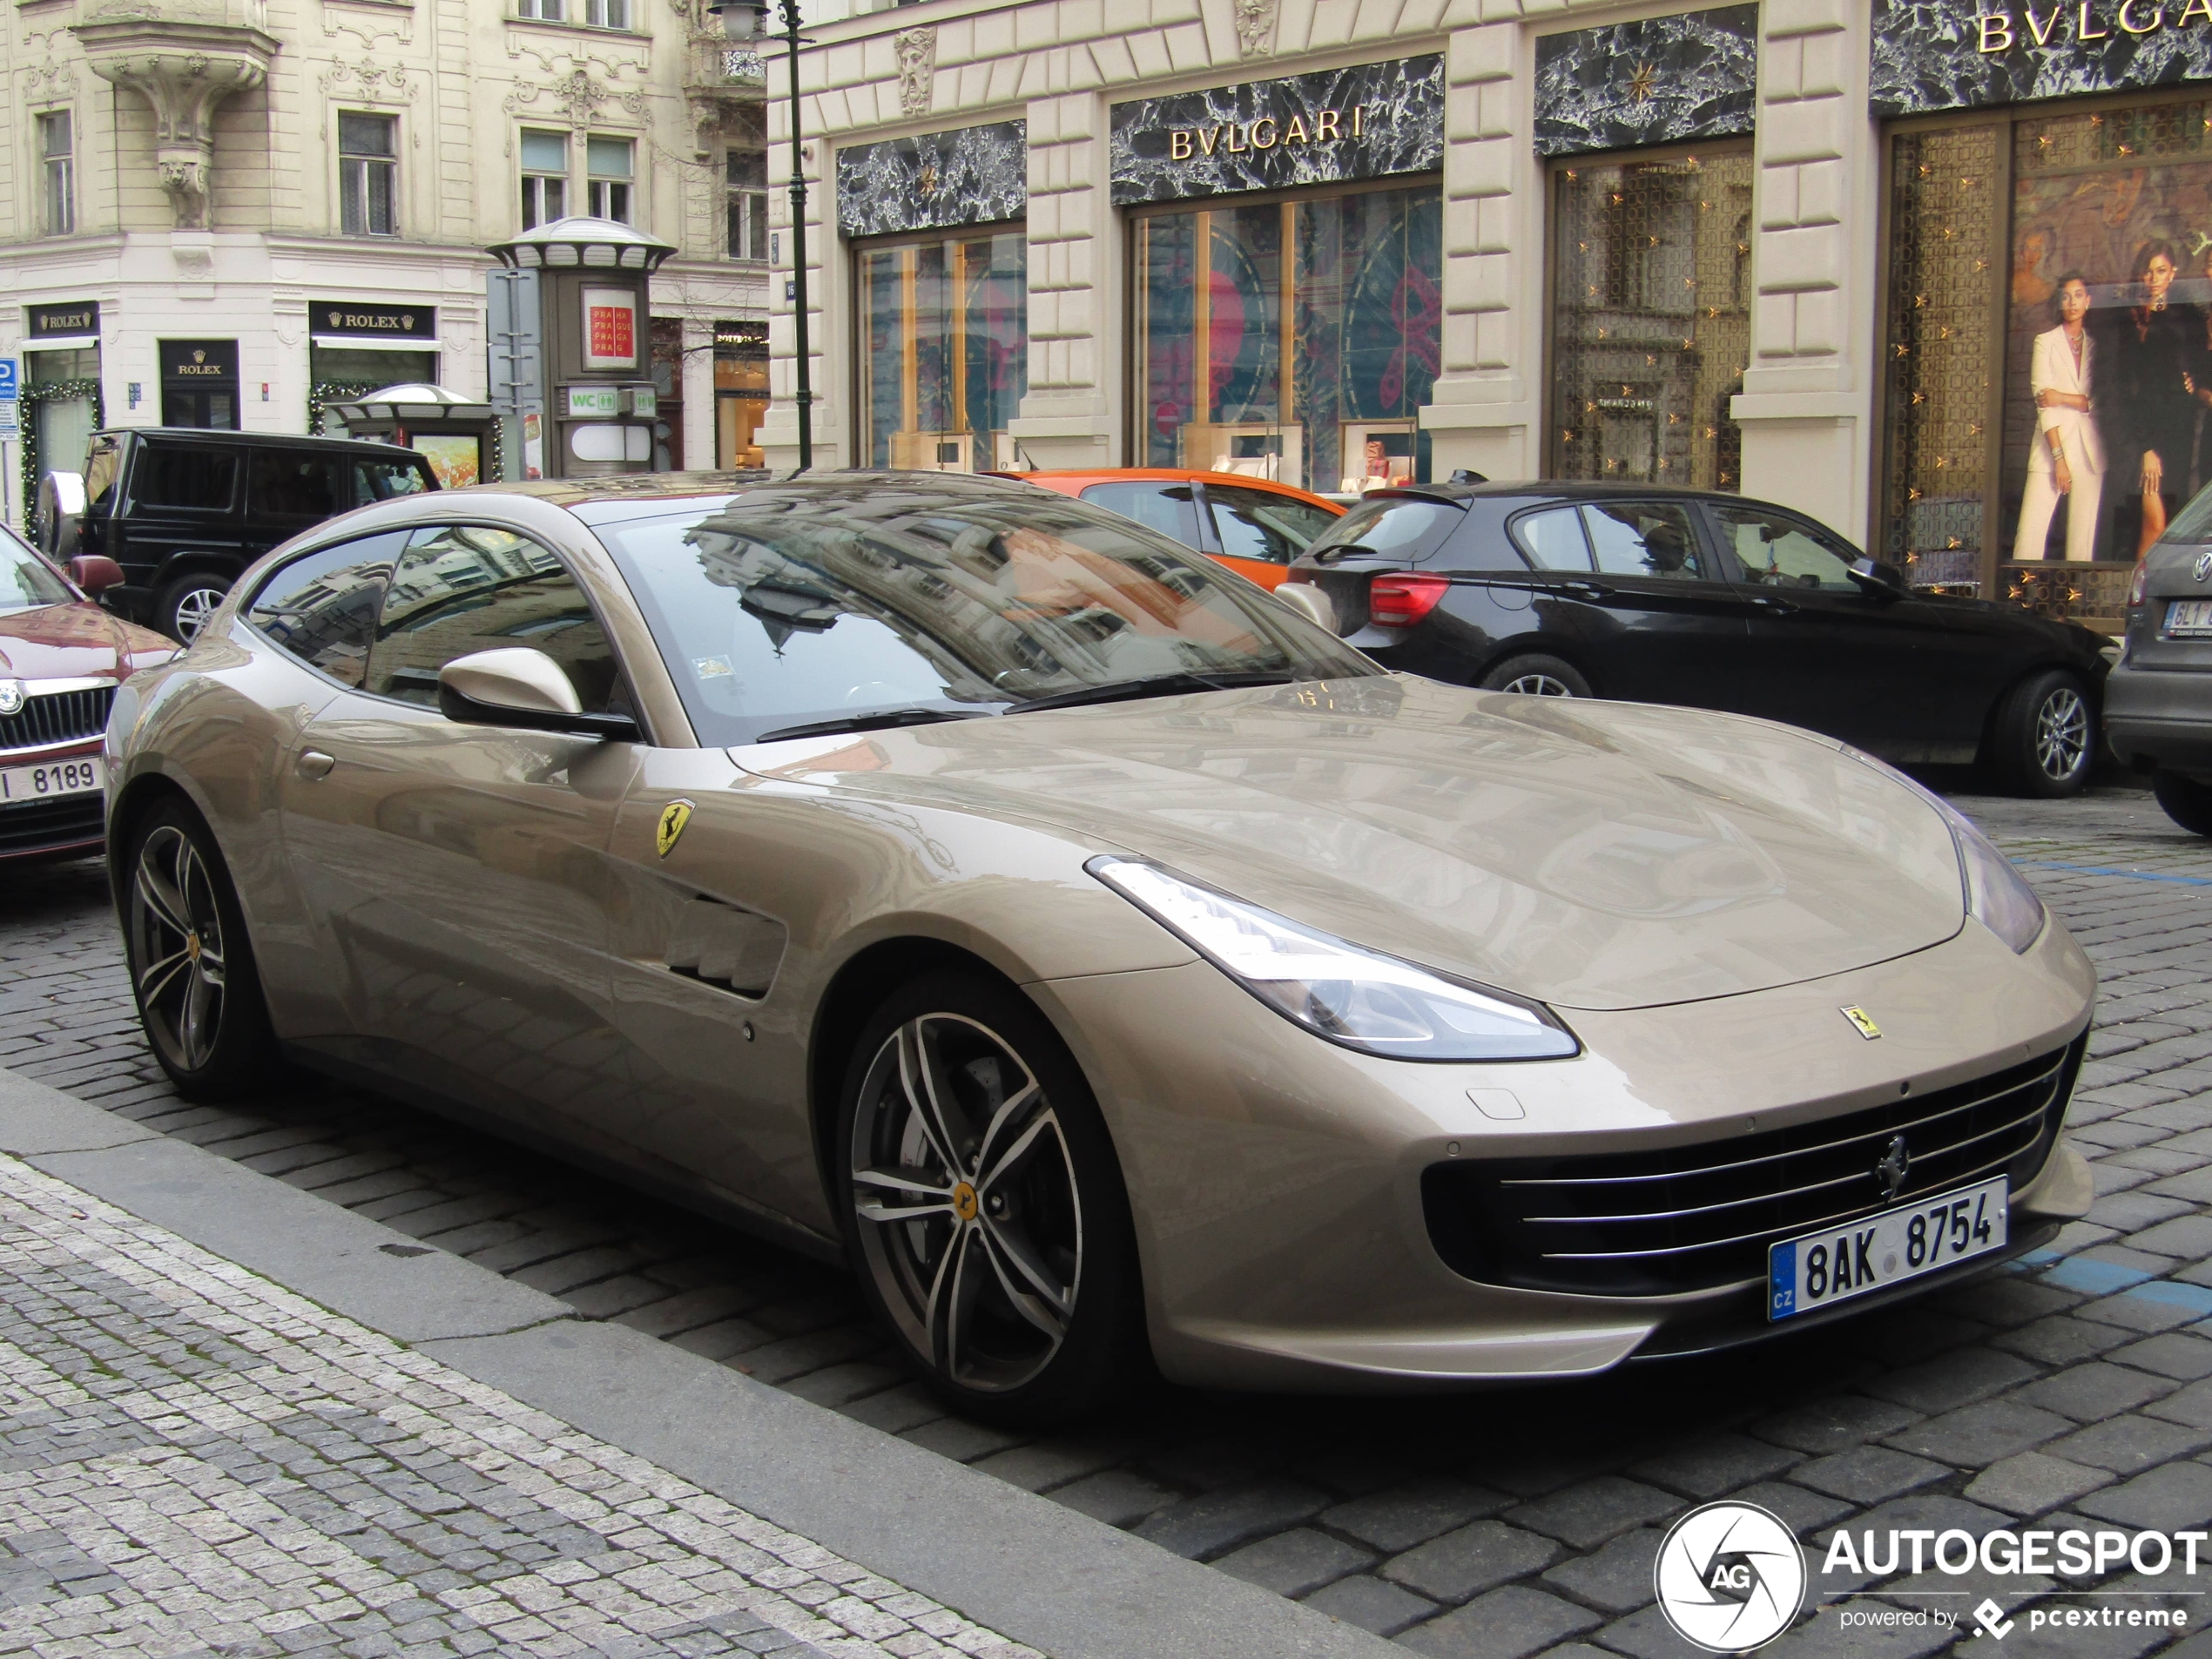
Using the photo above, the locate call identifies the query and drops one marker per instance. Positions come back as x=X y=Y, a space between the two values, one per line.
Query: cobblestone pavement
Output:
x=2077 y=1392
x=194 y=1460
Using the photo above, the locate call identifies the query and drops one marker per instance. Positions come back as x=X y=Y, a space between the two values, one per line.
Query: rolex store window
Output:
x=943 y=350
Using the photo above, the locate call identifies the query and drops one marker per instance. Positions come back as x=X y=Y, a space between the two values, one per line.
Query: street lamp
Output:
x=748 y=20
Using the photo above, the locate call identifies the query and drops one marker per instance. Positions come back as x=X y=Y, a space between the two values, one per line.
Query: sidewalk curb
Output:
x=1032 y=1569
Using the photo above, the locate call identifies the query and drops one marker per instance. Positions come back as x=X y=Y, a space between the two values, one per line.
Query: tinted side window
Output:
x=1644 y=538
x=1553 y=539
x=287 y=485
x=100 y=462
x=463 y=588
x=1172 y=510
x=200 y=480
x=322 y=608
x=1259 y=524
x=381 y=480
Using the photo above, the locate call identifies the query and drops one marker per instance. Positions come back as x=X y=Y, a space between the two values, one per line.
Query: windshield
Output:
x=26 y=580
x=791 y=606
x=1398 y=527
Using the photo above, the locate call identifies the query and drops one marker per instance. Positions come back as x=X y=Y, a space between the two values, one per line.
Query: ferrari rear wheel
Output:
x=191 y=969
x=989 y=1222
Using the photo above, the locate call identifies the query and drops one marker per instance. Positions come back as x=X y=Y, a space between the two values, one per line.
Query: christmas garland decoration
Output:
x=64 y=391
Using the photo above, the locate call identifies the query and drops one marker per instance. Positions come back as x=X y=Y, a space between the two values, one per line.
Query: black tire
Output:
x=2186 y=801
x=186 y=602
x=1536 y=675
x=207 y=1025
x=2044 y=738
x=1017 y=1297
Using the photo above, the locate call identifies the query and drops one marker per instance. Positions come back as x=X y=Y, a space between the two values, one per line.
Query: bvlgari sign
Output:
x=1930 y=55
x=1367 y=122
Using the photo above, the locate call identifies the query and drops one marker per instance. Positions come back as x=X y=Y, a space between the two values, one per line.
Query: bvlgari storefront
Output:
x=1285 y=274
x=2046 y=350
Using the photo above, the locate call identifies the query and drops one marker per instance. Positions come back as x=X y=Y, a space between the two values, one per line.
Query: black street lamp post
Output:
x=745 y=20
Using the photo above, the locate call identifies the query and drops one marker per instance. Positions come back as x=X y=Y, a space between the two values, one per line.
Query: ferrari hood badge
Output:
x=673 y=817
x=1862 y=1022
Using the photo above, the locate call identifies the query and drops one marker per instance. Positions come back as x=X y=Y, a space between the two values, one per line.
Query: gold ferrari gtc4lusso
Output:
x=1109 y=963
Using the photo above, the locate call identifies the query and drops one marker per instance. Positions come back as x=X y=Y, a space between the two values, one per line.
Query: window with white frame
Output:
x=607 y=14
x=608 y=165
x=545 y=177
x=746 y=172
x=542 y=11
x=367 y=174
x=58 y=149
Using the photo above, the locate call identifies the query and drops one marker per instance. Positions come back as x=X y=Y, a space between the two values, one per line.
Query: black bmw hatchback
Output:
x=1677 y=596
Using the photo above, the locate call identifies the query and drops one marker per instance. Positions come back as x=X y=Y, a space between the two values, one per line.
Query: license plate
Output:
x=86 y=775
x=1837 y=1264
x=2187 y=616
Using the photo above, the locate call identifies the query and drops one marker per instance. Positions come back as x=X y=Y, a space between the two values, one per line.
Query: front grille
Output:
x=1680 y=1218
x=33 y=826
x=57 y=717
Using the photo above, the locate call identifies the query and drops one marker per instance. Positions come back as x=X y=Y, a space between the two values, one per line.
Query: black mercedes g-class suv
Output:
x=184 y=509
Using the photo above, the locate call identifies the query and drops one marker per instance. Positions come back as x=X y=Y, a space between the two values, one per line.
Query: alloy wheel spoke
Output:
x=201 y=1004
x=1018 y=1110
x=924 y=1198
x=159 y=975
x=166 y=903
x=901 y=1181
x=1043 y=1302
x=952 y=1299
x=1008 y=1160
x=921 y=1075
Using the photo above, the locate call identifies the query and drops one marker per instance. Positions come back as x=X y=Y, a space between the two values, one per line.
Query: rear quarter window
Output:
x=196 y=479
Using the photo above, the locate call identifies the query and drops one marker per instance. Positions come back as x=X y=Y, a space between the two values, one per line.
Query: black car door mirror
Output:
x=1883 y=581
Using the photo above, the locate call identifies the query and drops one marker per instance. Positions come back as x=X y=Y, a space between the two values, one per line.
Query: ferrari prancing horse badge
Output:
x=673 y=817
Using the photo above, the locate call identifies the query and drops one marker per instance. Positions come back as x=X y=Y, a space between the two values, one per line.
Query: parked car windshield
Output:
x=2194 y=523
x=1400 y=526
x=884 y=604
x=26 y=580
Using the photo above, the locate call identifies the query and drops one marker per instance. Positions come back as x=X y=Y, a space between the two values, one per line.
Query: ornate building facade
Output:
x=233 y=212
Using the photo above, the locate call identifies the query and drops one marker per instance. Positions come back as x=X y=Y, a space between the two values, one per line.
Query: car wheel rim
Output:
x=177 y=956
x=1536 y=685
x=194 y=606
x=963 y=1189
x=2061 y=734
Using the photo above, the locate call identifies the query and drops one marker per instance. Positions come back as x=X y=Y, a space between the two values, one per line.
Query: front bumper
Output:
x=1275 y=1179
x=2160 y=720
x=71 y=827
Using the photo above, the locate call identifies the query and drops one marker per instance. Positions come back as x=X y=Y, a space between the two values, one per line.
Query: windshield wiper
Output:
x=875 y=721
x=1158 y=685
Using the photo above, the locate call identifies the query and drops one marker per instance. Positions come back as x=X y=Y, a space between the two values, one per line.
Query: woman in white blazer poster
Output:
x=2065 y=458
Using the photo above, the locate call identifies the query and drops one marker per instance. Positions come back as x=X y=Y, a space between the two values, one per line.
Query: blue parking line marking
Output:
x=2132 y=875
x=2093 y=1277
x=2193 y=1297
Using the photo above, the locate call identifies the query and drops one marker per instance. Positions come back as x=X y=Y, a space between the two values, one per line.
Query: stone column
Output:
x=1067 y=416
x=184 y=58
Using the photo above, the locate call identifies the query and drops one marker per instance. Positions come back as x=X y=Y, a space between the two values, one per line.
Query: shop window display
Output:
x=2049 y=348
x=944 y=358
x=1295 y=341
x=1650 y=325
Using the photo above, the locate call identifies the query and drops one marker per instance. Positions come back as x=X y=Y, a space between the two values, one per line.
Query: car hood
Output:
x=1594 y=855
x=75 y=641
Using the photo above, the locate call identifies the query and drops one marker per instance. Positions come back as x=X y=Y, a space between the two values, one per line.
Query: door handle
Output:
x=1780 y=607
x=314 y=763
x=1586 y=590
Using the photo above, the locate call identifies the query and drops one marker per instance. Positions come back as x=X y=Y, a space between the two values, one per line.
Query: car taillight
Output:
x=2137 y=583
x=1401 y=601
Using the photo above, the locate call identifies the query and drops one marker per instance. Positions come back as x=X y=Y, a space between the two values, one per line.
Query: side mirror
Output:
x=518 y=686
x=1883 y=580
x=95 y=574
x=1310 y=603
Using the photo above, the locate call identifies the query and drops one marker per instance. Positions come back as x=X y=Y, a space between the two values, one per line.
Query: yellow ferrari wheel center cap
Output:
x=964 y=1201
x=191 y=946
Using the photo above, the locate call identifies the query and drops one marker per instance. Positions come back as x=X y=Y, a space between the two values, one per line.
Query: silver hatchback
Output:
x=2158 y=698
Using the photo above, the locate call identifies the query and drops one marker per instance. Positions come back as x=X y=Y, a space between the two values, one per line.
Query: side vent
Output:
x=726 y=947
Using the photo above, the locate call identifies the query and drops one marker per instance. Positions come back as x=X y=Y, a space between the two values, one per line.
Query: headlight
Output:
x=1998 y=896
x=1359 y=998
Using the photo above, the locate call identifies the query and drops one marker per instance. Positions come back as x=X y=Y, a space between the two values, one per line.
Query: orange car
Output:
x=1253 y=526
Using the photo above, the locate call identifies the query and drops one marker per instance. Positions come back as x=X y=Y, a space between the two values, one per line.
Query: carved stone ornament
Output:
x=184 y=58
x=1255 y=28
x=916 y=50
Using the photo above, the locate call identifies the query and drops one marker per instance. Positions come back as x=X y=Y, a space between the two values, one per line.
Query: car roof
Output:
x=1553 y=489
x=1050 y=477
x=197 y=434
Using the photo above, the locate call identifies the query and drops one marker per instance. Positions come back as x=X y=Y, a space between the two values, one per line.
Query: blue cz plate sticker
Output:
x=1821 y=1268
